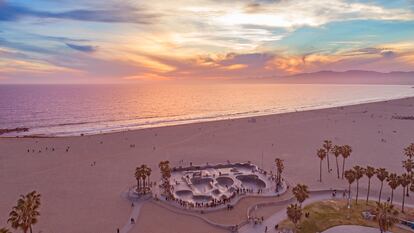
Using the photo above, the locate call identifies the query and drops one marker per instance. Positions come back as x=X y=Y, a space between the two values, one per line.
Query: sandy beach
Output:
x=82 y=179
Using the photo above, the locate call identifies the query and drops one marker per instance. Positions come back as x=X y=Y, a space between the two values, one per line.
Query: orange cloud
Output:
x=235 y=67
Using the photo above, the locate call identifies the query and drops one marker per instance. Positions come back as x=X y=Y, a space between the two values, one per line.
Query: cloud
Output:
x=82 y=48
x=383 y=52
x=202 y=39
x=388 y=53
x=24 y=47
x=297 y=13
x=11 y=12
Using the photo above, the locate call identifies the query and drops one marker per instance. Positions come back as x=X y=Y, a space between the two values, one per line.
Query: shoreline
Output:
x=309 y=109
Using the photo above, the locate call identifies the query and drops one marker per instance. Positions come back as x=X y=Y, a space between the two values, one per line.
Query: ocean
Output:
x=67 y=110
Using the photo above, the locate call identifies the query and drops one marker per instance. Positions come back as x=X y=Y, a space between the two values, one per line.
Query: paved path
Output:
x=270 y=222
x=279 y=216
x=352 y=228
x=134 y=214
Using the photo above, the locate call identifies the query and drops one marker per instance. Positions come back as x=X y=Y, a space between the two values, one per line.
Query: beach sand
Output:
x=82 y=179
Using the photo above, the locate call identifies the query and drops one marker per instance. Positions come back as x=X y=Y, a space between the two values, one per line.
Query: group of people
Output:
x=40 y=150
x=46 y=149
x=344 y=193
x=244 y=190
x=212 y=203
x=256 y=220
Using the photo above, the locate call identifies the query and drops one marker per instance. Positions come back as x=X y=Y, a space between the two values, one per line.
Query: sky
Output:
x=95 y=41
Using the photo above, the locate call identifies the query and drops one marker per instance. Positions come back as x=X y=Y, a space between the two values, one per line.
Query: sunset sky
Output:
x=79 y=41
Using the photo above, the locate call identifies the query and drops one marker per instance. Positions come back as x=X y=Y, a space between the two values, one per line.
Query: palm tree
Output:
x=138 y=176
x=279 y=169
x=409 y=151
x=165 y=174
x=164 y=165
x=382 y=174
x=301 y=193
x=350 y=176
x=321 y=154
x=25 y=213
x=327 y=145
x=359 y=173
x=148 y=174
x=144 y=177
x=337 y=151
x=369 y=172
x=393 y=181
x=405 y=180
x=346 y=152
x=387 y=216
x=408 y=165
x=294 y=213
x=5 y=230
x=412 y=186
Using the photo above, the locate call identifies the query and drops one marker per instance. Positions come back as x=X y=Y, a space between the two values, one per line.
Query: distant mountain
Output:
x=350 y=77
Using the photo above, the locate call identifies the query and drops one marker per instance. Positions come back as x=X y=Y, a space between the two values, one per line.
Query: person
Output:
x=132 y=221
x=132 y=204
x=265 y=229
x=117 y=230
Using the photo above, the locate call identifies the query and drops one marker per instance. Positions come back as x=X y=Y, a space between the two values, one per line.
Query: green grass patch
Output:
x=330 y=213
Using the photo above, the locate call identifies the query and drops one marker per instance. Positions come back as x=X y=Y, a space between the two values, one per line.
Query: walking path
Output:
x=276 y=218
x=279 y=216
x=352 y=228
x=134 y=215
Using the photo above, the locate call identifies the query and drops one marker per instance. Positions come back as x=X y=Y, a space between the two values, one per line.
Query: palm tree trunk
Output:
x=369 y=187
x=320 y=171
x=379 y=198
x=277 y=181
x=402 y=206
x=392 y=195
x=349 y=191
x=337 y=166
x=30 y=227
x=278 y=178
x=356 y=198
x=407 y=192
x=343 y=168
x=327 y=160
x=138 y=185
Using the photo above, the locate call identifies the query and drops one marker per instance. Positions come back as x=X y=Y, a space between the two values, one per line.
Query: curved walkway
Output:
x=276 y=218
x=279 y=216
x=352 y=228
x=249 y=227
